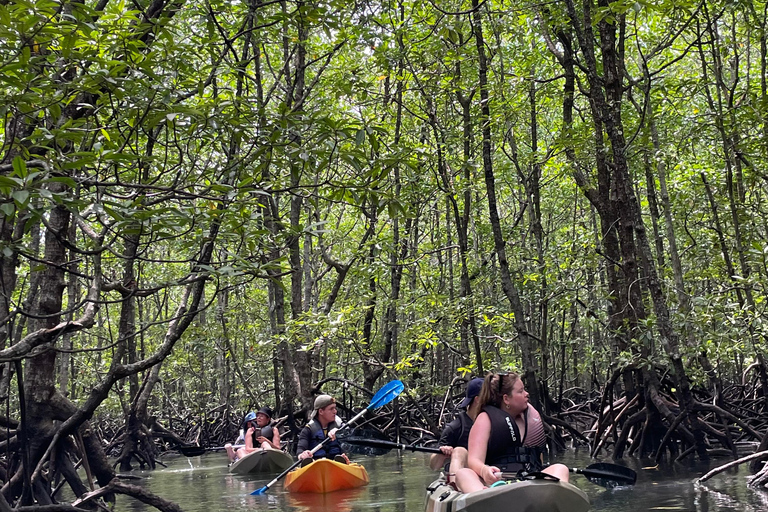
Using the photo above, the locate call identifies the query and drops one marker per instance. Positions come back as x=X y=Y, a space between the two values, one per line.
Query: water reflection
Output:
x=340 y=501
x=398 y=480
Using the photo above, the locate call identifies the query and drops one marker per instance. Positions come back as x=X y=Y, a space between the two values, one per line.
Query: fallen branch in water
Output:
x=731 y=464
x=134 y=491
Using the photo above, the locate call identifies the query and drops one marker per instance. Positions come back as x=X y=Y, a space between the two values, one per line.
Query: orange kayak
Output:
x=325 y=475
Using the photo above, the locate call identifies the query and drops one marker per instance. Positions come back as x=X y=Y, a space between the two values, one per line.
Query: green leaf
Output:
x=19 y=166
x=21 y=196
x=8 y=209
x=8 y=181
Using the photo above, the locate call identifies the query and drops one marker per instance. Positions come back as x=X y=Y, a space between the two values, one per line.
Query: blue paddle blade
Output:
x=386 y=394
x=259 y=491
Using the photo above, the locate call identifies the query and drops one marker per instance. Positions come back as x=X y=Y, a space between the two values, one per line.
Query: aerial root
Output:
x=134 y=491
x=735 y=463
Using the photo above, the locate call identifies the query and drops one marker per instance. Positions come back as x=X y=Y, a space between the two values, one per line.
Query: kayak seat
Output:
x=310 y=460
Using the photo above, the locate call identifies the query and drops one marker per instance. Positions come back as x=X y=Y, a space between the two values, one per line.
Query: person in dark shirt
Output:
x=455 y=435
x=323 y=423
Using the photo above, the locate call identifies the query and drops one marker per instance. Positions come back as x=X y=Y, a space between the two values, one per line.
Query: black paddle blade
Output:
x=191 y=451
x=608 y=475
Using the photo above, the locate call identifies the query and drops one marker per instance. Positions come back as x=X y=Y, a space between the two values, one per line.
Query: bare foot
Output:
x=230 y=452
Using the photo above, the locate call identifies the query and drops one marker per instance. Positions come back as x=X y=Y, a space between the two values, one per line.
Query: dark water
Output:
x=203 y=484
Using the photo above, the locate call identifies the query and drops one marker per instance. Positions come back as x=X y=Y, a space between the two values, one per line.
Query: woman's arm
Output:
x=249 y=439
x=478 y=446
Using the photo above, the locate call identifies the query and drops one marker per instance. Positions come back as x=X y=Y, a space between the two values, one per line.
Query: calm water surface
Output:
x=203 y=484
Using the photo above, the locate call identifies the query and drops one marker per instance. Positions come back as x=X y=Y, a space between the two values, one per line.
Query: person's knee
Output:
x=460 y=452
x=560 y=471
x=468 y=481
x=459 y=459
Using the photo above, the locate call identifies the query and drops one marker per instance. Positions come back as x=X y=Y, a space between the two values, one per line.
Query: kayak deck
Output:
x=520 y=496
x=325 y=475
x=262 y=461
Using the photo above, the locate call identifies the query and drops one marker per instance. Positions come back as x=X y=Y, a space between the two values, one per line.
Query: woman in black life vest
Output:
x=262 y=434
x=495 y=439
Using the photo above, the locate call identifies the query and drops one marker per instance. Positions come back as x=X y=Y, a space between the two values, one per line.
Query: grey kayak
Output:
x=262 y=461
x=519 y=496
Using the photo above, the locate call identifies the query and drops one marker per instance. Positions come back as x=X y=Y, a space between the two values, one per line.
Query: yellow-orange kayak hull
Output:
x=325 y=475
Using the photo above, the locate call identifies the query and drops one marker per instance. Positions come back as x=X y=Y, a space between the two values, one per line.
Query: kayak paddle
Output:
x=194 y=451
x=607 y=474
x=601 y=473
x=383 y=396
x=389 y=445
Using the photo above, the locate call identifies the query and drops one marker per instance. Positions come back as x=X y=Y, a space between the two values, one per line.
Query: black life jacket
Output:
x=466 y=426
x=505 y=445
x=266 y=431
x=465 y=423
x=331 y=448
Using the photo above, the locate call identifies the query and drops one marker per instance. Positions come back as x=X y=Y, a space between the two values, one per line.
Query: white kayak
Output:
x=262 y=461
x=519 y=496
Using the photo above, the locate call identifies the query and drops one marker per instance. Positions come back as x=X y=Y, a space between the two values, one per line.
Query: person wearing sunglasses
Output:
x=496 y=442
x=455 y=435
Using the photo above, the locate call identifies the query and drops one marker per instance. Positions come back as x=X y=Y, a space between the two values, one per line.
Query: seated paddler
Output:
x=455 y=436
x=323 y=423
x=496 y=446
x=260 y=433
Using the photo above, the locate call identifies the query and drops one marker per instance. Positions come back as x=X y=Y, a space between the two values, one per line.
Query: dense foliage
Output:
x=211 y=206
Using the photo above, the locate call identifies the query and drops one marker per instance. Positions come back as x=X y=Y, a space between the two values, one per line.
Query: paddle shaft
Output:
x=597 y=473
x=195 y=451
x=380 y=443
x=234 y=447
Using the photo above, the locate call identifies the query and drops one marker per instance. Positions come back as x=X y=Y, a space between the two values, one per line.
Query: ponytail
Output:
x=490 y=393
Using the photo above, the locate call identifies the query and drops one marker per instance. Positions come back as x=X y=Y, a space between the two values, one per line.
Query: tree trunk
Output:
x=508 y=287
x=40 y=371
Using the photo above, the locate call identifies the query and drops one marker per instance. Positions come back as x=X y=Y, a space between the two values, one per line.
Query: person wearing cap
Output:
x=323 y=423
x=455 y=436
x=260 y=433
